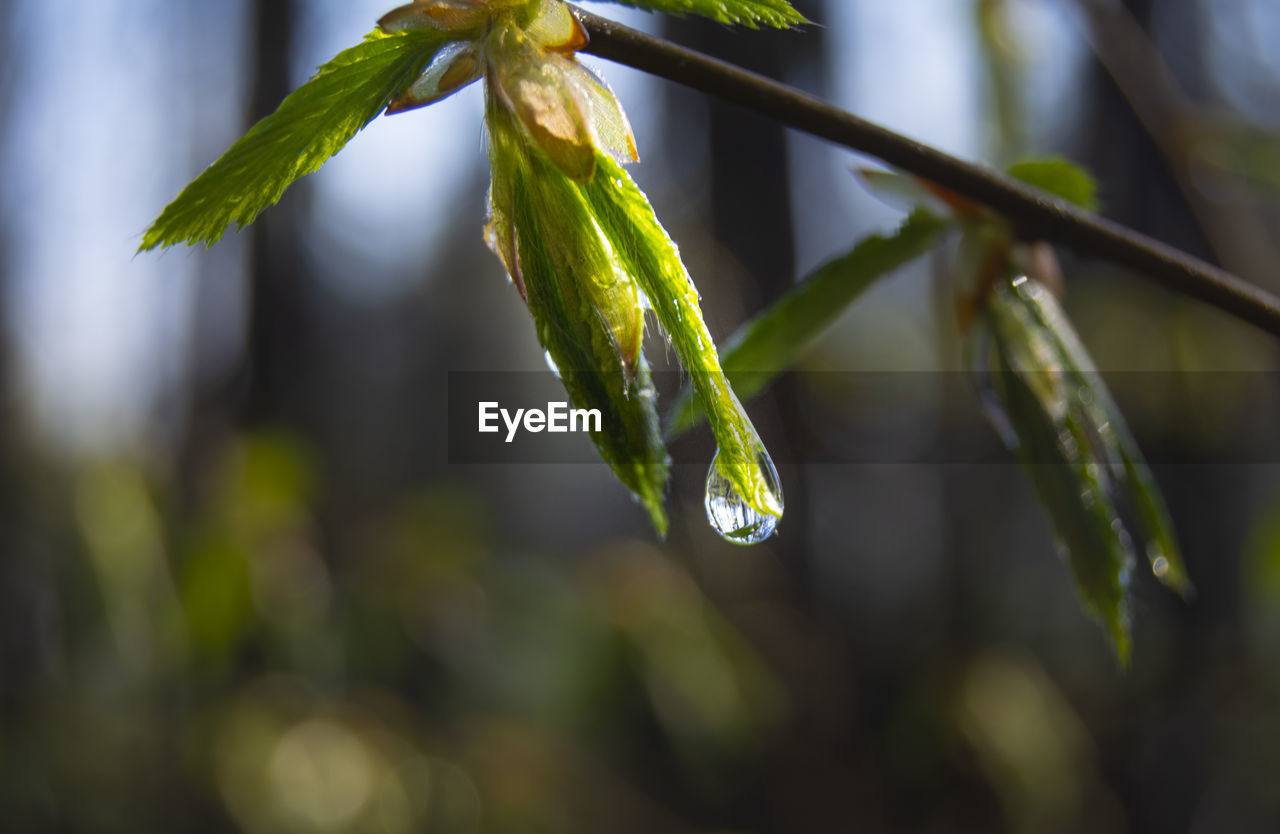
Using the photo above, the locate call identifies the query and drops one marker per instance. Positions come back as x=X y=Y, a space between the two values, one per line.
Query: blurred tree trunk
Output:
x=278 y=332
x=750 y=199
x=1141 y=190
x=6 y=403
x=28 y=614
x=264 y=390
x=10 y=607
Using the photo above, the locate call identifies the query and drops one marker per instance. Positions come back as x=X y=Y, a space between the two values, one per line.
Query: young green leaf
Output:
x=902 y=192
x=1054 y=438
x=773 y=340
x=1059 y=177
x=911 y=194
x=752 y=13
x=650 y=256
x=312 y=124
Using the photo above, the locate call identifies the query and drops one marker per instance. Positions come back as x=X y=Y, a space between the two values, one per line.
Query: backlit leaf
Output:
x=753 y=13
x=1059 y=177
x=312 y=124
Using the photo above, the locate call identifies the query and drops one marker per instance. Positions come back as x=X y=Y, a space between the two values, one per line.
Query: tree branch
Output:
x=1033 y=213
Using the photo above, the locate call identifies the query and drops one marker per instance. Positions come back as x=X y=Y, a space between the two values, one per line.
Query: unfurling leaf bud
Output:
x=586 y=308
x=1048 y=402
x=583 y=245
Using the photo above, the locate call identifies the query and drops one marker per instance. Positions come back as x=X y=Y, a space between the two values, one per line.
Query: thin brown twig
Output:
x=1035 y=214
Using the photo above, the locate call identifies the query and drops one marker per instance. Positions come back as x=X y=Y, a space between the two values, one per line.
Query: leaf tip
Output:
x=1060 y=177
x=658 y=518
x=1123 y=647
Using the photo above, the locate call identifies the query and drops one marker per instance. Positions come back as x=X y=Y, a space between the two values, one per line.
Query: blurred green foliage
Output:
x=422 y=683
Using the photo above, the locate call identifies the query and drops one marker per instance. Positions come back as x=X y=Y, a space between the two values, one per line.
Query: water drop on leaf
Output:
x=551 y=364
x=1160 y=567
x=730 y=515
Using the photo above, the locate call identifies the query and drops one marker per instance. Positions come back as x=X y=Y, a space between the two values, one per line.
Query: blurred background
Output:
x=243 y=589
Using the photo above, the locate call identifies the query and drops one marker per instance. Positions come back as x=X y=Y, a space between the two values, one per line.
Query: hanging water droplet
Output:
x=551 y=363
x=730 y=515
x=1160 y=567
x=1026 y=288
